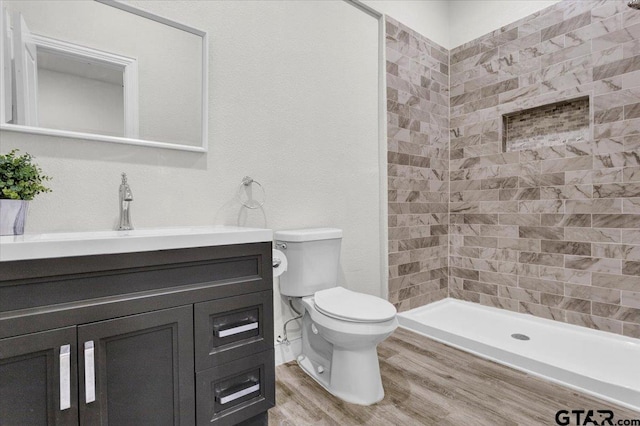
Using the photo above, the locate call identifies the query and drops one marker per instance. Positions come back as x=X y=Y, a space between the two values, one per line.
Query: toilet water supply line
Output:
x=285 y=340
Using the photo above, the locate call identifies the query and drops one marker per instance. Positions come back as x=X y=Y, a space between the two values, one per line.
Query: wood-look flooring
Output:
x=428 y=383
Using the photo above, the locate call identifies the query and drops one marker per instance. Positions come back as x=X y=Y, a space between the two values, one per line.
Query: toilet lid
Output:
x=344 y=304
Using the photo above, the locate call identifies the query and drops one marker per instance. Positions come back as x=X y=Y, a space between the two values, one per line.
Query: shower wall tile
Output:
x=418 y=105
x=570 y=247
x=595 y=322
x=631 y=330
x=631 y=299
x=631 y=268
x=552 y=231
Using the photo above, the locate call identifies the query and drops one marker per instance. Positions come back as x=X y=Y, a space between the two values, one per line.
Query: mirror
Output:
x=102 y=70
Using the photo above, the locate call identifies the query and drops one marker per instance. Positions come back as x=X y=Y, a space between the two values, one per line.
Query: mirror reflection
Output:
x=89 y=69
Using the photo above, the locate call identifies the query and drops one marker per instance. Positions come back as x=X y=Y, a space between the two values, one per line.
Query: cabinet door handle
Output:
x=65 y=377
x=236 y=330
x=239 y=394
x=89 y=373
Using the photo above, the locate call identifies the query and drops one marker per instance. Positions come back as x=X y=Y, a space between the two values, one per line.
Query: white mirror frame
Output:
x=115 y=139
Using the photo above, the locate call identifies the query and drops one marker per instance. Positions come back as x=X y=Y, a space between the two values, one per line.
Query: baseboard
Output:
x=286 y=353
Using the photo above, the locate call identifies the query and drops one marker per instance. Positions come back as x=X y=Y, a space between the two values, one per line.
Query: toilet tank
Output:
x=313 y=256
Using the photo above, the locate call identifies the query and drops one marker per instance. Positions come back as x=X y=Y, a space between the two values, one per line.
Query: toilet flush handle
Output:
x=281 y=246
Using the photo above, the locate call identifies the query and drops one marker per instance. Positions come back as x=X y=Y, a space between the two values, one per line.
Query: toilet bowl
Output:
x=348 y=367
x=340 y=328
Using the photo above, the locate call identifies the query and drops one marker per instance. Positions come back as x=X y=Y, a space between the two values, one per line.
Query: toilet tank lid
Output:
x=310 y=234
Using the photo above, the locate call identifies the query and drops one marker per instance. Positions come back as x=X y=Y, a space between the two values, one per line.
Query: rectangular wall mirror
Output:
x=102 y=70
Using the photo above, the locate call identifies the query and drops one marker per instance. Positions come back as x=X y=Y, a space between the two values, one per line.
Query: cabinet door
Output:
x=38 y=383
x=138 y=370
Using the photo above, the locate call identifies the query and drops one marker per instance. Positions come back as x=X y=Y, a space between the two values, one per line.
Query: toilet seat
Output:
x=346 y=305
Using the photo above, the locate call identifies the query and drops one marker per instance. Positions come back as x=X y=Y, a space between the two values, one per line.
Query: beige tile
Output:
x=542 y=311
x=593 y=264
x=631 y=330
x=565 y=275
x=620 y=313
x=629 y=283
x=541 y=232
x=605 y=235
x=596 y=294
x=597 y=323
x=565 y=303
x=570 y=220
x=630 y=267
x=498 y=278
x=616 y=221
x=566 y=247
x=631 y=299
x=543 y=286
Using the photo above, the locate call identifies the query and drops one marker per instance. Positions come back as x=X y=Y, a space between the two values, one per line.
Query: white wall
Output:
x=429 y=18
x=470 y=19
x=70 y=102
x=451 y=23
x=293 y=102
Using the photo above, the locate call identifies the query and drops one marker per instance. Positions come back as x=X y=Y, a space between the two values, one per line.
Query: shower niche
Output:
x=548 y=125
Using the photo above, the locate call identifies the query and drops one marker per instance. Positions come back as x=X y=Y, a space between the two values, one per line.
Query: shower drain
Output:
x=519 y=336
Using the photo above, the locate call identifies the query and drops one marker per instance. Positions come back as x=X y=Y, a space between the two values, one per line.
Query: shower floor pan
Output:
x=602 y=364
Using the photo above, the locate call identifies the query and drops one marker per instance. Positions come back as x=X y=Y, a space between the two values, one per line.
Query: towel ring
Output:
x=246 y=187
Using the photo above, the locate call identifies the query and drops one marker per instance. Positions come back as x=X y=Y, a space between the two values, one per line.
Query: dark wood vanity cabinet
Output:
x=173 y=337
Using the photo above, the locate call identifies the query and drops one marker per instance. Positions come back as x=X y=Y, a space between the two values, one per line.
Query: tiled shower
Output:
x=514 y=166
x=418 y=167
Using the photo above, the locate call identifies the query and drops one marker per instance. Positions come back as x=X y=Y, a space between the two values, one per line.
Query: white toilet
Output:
x=340 y=328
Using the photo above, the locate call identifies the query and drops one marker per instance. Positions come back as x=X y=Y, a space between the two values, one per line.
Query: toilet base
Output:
x=354 y=376
x=350 y=373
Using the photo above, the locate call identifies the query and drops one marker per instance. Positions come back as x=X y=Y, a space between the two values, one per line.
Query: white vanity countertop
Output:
x=42 y=246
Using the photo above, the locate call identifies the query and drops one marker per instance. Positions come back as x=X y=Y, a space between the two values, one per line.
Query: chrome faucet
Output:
x=126 y=197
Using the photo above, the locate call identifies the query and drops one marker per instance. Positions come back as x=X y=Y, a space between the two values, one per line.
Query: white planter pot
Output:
x=13 y=214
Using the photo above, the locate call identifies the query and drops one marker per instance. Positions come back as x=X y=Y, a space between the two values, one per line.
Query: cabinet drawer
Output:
x=231 y=328
x=236 y=391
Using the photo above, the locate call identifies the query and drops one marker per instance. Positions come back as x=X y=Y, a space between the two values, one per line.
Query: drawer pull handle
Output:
x=65 y=377
x=240 y=394
x=89 y=373
x=236 y=330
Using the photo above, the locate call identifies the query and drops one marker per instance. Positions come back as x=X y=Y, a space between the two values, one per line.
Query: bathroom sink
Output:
x=66 y=244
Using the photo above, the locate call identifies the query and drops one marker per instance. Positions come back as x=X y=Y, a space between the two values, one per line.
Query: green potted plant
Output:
x=20 y=181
